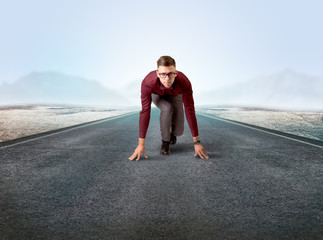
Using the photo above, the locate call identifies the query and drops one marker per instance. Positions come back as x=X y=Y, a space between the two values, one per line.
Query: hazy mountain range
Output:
x=58 y=88
x=286 y=89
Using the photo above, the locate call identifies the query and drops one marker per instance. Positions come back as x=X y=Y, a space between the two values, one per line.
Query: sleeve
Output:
x=190 y=109
x=145 y=110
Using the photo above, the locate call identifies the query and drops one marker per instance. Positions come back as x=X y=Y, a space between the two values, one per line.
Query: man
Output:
x=168 y=89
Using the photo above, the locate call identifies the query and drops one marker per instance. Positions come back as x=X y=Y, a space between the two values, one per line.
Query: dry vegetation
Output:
x=21 y=121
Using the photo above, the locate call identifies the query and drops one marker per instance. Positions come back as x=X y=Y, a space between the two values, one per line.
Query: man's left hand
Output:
x=199 y=149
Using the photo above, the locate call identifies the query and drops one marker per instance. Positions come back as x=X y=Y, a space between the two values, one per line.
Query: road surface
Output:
x=79 y=184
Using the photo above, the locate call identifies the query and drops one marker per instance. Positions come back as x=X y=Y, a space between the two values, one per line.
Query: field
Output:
x=25 y=120
x=302 y=123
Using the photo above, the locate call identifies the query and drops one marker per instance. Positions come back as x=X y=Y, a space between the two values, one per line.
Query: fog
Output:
x=222 y=46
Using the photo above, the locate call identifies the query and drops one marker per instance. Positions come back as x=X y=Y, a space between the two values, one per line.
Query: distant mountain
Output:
x=58 y=88
x=132 y=91
x=286 y=89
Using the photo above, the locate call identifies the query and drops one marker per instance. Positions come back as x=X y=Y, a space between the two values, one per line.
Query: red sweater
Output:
x=151 y=84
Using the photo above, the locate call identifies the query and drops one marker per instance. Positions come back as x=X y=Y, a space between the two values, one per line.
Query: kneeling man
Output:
x=168 y=89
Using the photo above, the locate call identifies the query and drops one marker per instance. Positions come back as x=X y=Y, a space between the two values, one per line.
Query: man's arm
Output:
x=191 y=120
x=143 y=122
x=144 y=117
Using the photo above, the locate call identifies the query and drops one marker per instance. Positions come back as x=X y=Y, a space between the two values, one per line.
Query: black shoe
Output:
x=172 y=139
x=164 y=150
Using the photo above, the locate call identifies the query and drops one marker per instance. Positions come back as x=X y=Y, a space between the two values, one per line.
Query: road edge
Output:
x=305 y=140
x=32 y=137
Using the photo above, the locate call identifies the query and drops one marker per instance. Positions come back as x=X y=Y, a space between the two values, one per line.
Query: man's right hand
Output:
x=139 y=150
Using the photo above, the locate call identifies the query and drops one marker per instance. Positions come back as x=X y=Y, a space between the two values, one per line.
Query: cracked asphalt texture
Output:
x=79 y=184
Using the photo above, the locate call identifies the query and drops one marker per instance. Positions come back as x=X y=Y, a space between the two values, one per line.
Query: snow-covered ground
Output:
x=301 y=123
x=21 y=121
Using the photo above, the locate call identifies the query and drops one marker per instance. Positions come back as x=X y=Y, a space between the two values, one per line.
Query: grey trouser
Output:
x=171 y=114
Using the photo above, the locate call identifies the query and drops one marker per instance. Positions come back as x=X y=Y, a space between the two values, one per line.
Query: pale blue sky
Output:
x=215 y=43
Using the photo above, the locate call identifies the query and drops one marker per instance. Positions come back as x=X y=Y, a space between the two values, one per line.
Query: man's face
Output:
x=167 y=75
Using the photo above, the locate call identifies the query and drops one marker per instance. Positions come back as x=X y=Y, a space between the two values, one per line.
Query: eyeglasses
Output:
x=170 y=75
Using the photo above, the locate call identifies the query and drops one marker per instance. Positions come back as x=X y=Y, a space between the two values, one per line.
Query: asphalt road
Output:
x=79 y=184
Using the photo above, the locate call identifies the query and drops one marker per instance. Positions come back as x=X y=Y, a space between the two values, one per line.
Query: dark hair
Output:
x=166 y=61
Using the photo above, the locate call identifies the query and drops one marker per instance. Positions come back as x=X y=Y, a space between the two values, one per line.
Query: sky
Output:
x=215 y=43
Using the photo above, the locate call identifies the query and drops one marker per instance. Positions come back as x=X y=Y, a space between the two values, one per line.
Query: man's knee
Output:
x=178 y=131
x=167 y=109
